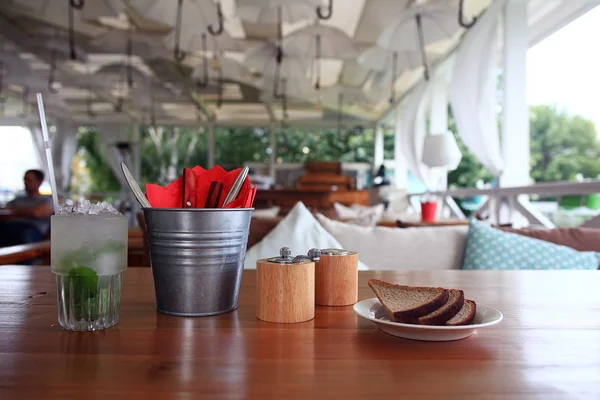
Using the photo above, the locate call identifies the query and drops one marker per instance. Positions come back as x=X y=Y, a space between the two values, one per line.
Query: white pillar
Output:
x=273 y=147
x=400 y=166
x=38 y=143
x=378 y=156
x=515 y=113
x=136 y=152
x=64 y=146
x=438 y=117
x=211 y=146
x=172 y=172
x=136 y=164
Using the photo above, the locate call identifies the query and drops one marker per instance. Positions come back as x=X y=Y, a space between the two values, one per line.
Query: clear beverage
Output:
x=88 y=257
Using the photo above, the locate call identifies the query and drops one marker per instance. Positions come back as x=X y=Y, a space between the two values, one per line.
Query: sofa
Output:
x=385 y=247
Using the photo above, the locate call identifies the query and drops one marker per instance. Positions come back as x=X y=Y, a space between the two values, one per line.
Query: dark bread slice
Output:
x=456 y=299
x=407 y=303
x=465 y=316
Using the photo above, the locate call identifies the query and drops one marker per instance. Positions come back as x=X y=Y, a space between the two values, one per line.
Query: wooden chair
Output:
x=324 y=176
x=26 y=252
x=145 y=259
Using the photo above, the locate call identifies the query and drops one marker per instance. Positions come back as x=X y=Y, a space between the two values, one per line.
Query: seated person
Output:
x=29 y=221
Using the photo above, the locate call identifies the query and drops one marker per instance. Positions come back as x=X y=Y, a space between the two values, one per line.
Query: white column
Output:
x=378 y=156
x=69 y=150
x=172 y=172
x=438 y=117
x=400 y=165
x=38 y=143
x=56 y=145
x=273 y=147
x=64 y=146
x=136 y=152
x=515 y=113
x=211 y=146
x=136 y=164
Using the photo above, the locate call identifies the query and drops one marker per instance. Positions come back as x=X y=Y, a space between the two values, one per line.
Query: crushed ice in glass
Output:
x=86 y=207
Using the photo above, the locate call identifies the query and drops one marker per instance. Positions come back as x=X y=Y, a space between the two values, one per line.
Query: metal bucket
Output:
x=197 y=258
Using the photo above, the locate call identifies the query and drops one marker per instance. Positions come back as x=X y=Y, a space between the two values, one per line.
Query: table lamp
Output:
x=440 y=151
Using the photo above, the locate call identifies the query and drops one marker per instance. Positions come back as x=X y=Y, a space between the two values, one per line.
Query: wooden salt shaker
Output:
x=285 y=287
x=336 y=278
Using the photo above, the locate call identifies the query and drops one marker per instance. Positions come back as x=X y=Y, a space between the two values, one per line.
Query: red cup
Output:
x=428 y=211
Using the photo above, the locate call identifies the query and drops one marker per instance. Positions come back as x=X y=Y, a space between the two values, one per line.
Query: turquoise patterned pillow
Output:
x=490 y=248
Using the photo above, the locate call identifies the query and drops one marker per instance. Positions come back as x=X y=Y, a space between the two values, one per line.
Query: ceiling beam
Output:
x=63 y=69
x=192 y=95
x=18 y=121
x=60 y=67
x=201 y=106
x=269 y=107
x=313 y=124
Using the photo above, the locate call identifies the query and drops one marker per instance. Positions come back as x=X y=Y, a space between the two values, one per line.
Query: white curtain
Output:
x=473 y=89
x=438 y=106
x=411 y=130
x=64 y=146
x=411 y=126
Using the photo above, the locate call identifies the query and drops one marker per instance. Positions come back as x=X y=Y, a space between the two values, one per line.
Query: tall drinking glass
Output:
x=88 y=257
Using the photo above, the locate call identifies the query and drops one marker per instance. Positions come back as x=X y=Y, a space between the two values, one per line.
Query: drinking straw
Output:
x=40 y=103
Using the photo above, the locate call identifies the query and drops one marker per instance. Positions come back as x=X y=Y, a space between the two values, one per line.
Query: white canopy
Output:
x=241 y=100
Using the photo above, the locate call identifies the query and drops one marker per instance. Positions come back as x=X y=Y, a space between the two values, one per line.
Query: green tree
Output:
x=235 y=146
x=562 y=146
x=349 y=145
x=167 y=150
x=470 y=170
x=101 y=176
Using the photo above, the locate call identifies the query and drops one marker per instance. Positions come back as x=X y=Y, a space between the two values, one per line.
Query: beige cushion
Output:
x=265 y=212
x=424 y=248
x=359 y=214
x=399 y=200
x=300 y=231
x=344 y=212
x=580 y=239
x=408 y=216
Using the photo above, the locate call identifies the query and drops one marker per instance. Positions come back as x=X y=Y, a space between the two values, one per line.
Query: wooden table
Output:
x=441 y=222
x=24 y=252
x=547 y=347
x=322 y=199
x=6 y=214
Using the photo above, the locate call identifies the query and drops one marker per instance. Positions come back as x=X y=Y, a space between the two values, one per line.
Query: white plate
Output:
x=372 y=310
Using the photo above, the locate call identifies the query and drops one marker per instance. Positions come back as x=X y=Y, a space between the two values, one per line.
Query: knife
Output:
x=135 y=188
x=214 y=193
x=188 y=198
x=236 y=187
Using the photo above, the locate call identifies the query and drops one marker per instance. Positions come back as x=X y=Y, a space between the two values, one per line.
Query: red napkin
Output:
x=172 y=195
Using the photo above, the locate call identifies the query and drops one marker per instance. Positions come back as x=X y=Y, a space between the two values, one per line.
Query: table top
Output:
x=6 y=213
x=547 y=346
x=23 y=252
x=441 y=222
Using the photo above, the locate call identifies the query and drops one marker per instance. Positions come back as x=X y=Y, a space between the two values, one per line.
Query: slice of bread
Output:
x=456 y=299
x=465 y=316
x=407 y=303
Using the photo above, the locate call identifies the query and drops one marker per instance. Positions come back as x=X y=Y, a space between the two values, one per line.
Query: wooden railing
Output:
x=505 y=204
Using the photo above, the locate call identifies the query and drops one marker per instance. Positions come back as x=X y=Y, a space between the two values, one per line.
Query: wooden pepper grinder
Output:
x=336 y=278
x=285 y=287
